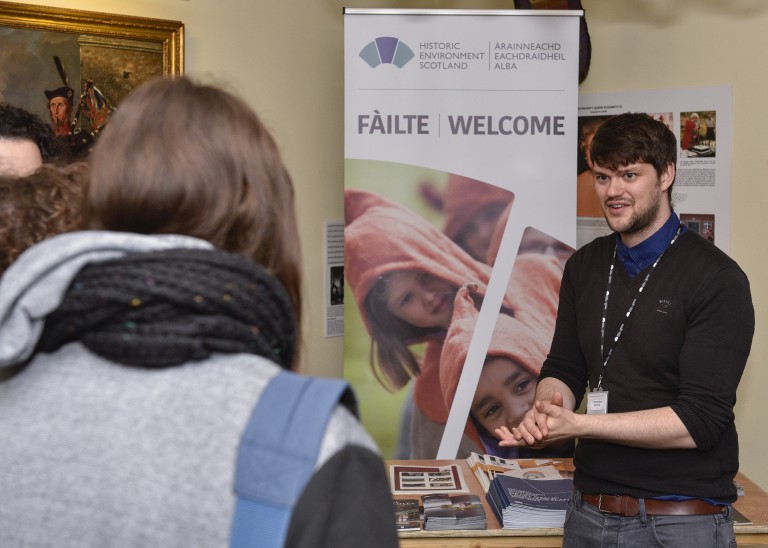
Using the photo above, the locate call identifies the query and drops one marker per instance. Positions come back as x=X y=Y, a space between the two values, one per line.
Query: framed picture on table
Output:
x=86 y=61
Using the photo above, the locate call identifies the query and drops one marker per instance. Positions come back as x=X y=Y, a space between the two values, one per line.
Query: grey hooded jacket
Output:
x=96 y=454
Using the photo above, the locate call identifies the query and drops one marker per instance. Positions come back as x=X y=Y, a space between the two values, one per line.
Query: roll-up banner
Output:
x=460 y=211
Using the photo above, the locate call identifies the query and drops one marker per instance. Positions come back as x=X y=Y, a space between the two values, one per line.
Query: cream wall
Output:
x=285 y=58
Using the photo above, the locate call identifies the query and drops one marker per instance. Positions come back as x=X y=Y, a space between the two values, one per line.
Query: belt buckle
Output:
x=600 y=504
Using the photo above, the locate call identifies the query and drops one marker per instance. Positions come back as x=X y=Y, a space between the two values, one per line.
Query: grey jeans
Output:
x=586 y=527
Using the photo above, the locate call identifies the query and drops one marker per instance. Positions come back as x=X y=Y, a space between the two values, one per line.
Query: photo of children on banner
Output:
x=472 y=211
x=507 y=382
x=532 y=241
x=404 y=274
x=476 y=214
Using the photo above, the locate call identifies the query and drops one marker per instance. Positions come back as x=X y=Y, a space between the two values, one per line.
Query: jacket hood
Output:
x=465 y=198
x=381 y=236
x=35 y=284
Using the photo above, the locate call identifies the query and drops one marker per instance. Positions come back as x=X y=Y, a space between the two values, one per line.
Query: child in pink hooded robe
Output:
x=507 y=383
x=384 y=241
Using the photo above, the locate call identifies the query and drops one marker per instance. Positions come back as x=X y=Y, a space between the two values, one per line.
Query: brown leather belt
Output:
x=629 y=506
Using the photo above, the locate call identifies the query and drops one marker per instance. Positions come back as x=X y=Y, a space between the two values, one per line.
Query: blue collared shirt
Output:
x=636 y=259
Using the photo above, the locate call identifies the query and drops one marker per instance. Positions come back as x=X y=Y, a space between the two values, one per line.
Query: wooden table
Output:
x=754 y=505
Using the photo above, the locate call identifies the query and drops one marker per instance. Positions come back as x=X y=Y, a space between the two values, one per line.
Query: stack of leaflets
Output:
x=407 y=515
x=443 y=512
x=520 y=503
x=487 y=467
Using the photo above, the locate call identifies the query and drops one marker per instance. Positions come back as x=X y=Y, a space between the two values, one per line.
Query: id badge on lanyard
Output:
x=597 y=402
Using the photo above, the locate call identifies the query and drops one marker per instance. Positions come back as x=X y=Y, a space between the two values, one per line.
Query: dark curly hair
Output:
x=17 y=123
x=32 y=208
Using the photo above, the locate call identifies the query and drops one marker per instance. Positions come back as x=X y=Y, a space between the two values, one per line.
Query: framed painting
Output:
x=96 y=59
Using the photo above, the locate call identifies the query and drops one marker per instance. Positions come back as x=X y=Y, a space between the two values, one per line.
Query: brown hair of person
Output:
x=390 y=355
x=633 y=137
x=32 y=208
x=179 y=157
x=392 y=362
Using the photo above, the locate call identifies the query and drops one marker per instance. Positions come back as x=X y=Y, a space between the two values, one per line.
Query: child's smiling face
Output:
x=421 y=299
x=504 y=393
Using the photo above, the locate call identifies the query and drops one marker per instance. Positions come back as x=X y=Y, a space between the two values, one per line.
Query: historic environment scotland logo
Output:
x=386 y=49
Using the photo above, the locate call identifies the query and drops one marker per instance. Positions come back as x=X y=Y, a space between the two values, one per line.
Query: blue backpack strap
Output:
x=277 y=455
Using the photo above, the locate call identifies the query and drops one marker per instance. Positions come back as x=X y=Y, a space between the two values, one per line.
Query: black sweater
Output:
x=684 y=346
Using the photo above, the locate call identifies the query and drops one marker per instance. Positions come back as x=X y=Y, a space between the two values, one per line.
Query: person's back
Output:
x=121 y=456
x=147 y=341
x=40 y=205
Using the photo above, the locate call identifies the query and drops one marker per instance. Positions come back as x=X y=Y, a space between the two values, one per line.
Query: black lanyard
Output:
x=629 y=311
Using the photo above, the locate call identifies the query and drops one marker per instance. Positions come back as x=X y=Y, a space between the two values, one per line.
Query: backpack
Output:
x=277 y=454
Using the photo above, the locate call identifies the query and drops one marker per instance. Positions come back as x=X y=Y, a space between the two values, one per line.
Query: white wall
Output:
x=285 y=58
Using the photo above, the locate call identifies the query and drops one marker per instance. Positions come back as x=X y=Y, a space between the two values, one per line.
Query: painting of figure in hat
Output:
x=60 y=102
x=77 y=120
x=75 y=81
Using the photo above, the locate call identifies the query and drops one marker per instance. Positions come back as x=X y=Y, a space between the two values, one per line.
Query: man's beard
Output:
x=640 y=220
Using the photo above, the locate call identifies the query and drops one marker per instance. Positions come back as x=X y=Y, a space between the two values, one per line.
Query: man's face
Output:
x=633 y=200
x=19 y=157
x=59 y=110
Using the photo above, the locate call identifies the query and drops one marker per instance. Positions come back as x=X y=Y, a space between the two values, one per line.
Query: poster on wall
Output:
x=459 y=214
x=334 y=278
x=701 y=119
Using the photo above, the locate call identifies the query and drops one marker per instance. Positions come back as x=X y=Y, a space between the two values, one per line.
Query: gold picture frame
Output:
x=42 y=47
